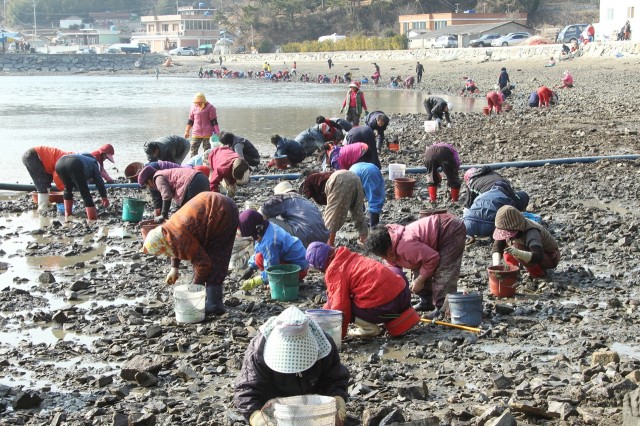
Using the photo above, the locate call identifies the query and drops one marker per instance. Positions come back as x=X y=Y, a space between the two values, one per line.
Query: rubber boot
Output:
x=435 y=313
x=365 y=329
x=433 y=193
x=43 y=202
x=92 y=213
x=455 y=194
x=214 y=304
x=535 y=271
x=68 y=208
x=374 y=219
x=425 y=305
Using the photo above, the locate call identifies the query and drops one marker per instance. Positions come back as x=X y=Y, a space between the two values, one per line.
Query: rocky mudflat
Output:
x=89 y=335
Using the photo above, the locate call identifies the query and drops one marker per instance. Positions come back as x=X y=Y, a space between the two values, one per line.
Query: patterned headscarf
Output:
x=156 y=244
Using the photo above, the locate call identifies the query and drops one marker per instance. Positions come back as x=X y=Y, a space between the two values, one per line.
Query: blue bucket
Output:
x=60 y=207
x=533 y=217
x=465 y=308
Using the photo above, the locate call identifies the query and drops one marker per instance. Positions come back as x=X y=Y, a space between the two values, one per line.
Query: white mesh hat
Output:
x=294 y=342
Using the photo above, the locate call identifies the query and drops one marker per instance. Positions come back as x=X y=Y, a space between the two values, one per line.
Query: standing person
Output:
x=432 y=249
x=289 y=356
x=437 y=108
x=175 y=184
x=544 y=96
x=344 y=195
x=365 y=134
x=373 y=186
x=105 y=152
x=376 y=75
x=202 y=123
x=330 y=63
x=203 y=232
x=378 y=121
x=241 y=146
x=273 y=246
x=354 y=103
x=292 y=149
x=445 y=156
x=220 y=60
x=419 y=71
x=75 y=170
x=227 y=166
x=367 y=292
x=158 y=72
x=626 y=29
x=591 y=32
x=294 y=69
x=295 y=214
x=503 y=79
x=173 y=149
x=522 y=242
x=40 y=162
x=494 y=101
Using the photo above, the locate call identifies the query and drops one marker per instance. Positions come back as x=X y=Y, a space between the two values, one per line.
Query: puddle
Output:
x=48 y=336
x=94 y=304
x=626 y=350
x=613 y=206
x=26 y=380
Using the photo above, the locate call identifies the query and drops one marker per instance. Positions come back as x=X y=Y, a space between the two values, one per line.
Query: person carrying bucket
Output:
x=367 y=292
x=289 y=356
x=523 y=242
x=445 y=156
x=374 y=189
x=176 y=184
x=168 y=148
x=295 y=214
x=203 y=232
x=273 y=246
x=201 y=124
x=438 y=109
x=75 y=170
x=432 y=248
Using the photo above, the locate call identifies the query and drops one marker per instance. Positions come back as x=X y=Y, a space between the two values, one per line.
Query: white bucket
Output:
x=430 y=126
x=396 y=171
x=189 y=301
x=330 y=321
x=241 y=252
x=310 y=410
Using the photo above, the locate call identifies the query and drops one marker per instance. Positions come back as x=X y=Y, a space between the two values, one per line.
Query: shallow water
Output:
x=80 y=113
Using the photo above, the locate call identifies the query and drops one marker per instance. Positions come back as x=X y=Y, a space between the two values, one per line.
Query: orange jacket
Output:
x=49 y=156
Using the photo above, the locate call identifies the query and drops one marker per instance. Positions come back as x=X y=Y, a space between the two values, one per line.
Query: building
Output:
x=71 y=21
x=418 y=39
x=109 y=19
x=437 y=21
x=190 y=27
x=614 y=14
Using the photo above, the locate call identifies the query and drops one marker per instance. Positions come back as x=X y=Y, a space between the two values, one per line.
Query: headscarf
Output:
x=145 y=174
x=199 y=97
x=156 y=244
x=252 y=224
x=317 y=255
x=469 y=173
x=509 y=221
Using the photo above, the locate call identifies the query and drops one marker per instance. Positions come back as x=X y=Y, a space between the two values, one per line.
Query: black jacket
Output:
x=435 y=107
x=365 y=134
x=481 y=181
x=246 y=150
x=172 y=148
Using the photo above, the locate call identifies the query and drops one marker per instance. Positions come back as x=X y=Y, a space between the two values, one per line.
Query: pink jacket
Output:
x=567 y=79
x=221 y=161
x=416 y=245
x=172 y=183
x=202 y=127
x=350 y=154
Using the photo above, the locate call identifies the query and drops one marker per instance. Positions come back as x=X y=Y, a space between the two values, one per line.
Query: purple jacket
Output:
x=203 y=120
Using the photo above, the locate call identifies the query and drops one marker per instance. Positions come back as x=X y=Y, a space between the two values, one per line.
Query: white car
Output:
x=182 y=51
x=511 y=39
x=445 y=42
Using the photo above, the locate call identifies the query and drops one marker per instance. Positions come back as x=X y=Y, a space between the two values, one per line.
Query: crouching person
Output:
x=367 y=292
x=523 y=242
x=290 y=356
x=202 y=231
x=273 y=246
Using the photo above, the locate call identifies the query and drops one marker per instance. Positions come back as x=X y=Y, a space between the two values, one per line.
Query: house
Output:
x=437 y=21
x=419 y=39
x=71 y=21
x=109 y=19
x=613 y=15
x=190 y=27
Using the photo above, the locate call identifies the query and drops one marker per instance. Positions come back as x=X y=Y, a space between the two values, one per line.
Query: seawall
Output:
x=15 y=63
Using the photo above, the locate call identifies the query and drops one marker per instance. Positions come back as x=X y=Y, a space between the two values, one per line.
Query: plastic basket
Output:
x=307 y=410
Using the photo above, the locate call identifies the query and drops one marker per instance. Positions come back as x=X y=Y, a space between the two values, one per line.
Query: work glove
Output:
x=525 y=256
x=231 y=191
x=257 y=419
x=496 y=259
x=341 y=410
x=158 y=219
x=247 y=273
x=105 y=202
x=172 y=276
x=252 y=283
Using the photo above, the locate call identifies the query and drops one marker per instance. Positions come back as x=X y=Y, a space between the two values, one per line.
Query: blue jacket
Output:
x=533 y=100
x=292 y=149
x=276 y=246
x=302 y=215
x=480 y=217
x=372 y=183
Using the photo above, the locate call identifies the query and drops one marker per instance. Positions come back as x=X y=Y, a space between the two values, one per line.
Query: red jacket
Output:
x=353 y=278
x=221 y=161
x=49 y=156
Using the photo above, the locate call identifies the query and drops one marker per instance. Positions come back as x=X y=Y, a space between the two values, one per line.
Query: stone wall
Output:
x=43 y=63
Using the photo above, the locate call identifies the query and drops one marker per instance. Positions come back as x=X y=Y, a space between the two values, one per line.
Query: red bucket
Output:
x=403 y=187
x=486 y=110
x=403 y=323
x=503 y=280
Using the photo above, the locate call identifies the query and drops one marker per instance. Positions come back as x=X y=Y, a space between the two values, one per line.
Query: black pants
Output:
x=441 y=157
x=71 y=171
x=41 y=179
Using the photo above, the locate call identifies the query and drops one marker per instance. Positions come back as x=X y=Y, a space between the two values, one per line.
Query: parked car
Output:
x=182 y=51
x=485 y=40
x=571 y=33
x=87 y=51
x=511 y=39
x=445 y=41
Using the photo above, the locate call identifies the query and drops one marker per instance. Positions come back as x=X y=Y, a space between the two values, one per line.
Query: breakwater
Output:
x=42 y=63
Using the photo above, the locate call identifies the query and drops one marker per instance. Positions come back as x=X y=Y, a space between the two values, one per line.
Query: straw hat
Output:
x=283 y=188
x=294 y=342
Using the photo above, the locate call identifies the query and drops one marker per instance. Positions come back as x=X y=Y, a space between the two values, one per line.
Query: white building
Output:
x=613 y=15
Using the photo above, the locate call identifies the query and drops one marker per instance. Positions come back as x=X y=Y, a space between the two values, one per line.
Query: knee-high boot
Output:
x=214 y=304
